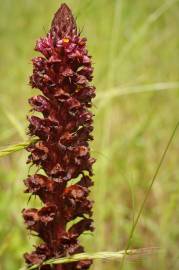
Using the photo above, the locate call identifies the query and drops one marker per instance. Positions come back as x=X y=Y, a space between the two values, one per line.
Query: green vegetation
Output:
x=135 y=48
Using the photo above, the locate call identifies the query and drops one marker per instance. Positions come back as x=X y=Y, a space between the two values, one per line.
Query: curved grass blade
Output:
x=137 y=89
x=105 y=97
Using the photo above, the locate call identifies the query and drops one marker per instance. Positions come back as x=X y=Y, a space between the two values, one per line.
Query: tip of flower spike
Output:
x=64 y=24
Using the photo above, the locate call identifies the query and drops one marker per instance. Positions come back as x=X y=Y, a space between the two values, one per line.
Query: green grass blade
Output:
x=122 y=91
x=148 y=193
x=15 y=148
x=114 y=40
x=16 y=123
x=105 y=97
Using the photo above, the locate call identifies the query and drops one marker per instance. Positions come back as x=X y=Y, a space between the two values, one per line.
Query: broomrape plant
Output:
x=63 y=74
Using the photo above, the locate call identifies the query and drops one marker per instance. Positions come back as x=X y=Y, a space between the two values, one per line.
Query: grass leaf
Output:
x=15 y=148
x=148 y=193
x=106 y=255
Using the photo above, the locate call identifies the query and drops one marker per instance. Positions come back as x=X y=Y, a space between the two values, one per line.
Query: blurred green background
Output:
x=135 y=49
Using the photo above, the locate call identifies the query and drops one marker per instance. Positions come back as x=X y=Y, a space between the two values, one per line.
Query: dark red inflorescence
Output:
x=63 y=124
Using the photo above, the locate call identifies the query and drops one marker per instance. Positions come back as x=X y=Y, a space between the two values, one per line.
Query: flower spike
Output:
x=62 y=122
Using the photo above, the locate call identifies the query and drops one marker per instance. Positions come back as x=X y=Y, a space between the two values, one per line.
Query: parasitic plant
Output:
x=62 y=123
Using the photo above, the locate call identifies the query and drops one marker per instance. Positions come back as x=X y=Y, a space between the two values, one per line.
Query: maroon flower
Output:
x=63 y=124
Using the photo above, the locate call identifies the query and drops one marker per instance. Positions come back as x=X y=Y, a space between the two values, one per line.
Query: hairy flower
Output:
x=63 y=123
